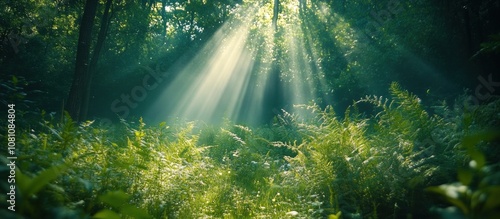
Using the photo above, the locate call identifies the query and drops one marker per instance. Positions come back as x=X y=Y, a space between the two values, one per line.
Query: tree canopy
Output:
x=342 y=50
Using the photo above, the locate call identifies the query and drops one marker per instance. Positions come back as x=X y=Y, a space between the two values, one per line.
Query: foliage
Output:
x=373 y=161
x=491 y=46
x=343 y=49
x=357 y=166
x=475 y=194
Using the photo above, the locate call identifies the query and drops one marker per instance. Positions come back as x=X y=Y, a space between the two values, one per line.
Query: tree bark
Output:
x=101 y=37
x=80 y=80
x=274 y=98
x=275 y=14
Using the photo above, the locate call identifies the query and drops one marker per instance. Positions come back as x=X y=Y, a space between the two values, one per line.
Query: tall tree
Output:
x=101 y=37
x=274 y=97
x=275 y=14
x=78 y=93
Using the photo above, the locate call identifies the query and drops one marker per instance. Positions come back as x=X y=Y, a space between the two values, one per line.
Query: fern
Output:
x=379 y=101
x=234 y=137
x=316 y=166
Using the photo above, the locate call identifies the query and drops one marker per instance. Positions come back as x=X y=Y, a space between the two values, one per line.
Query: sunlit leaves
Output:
x=308 y=167
x=106 y=214
x=119 y=201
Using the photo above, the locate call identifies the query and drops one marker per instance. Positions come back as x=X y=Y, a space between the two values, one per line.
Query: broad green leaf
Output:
x=471 y=140
x=134 y=212
x=335 y=216
x=493 y=200
x=115 y=198
x=106 y=214
x=44 y=178
x=465 y=176
x=23 y=181
x=478 y=160
x=477 y=199
x=451 y=193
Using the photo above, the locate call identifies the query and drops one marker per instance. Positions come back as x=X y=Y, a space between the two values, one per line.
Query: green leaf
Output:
x=44 y=178
x=477 y=199
x=471 y=140
x=139 y=134
x=119 y=200
x=15 y=80
x=465 y=176
x=106 y=214
x=492 y=202
x=141 y=166
x=478 y=160
x=335 y=216
x=143 y=153
x=23 y=181
x=451 y=193
x=134 y=212
x=115 y=198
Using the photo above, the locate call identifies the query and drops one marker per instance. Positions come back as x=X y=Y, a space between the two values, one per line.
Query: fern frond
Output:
x=243 y=128
x=379 y=101
x=404 y=97
x=234 y=136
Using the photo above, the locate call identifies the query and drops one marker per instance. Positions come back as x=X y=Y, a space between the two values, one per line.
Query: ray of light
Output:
x=220 y=88
x=303 y=76
x=235 y=74
x=218 y=82
x=214 y=82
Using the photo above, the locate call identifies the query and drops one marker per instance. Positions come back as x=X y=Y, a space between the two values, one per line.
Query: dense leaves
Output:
x=350 y=48
x=321 y=166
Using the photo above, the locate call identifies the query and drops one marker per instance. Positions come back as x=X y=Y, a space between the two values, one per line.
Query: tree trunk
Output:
x=274 y=99
x=101 y=37
x=164 y=17
x=80 y=81
x=468 y=32
x=275 y=14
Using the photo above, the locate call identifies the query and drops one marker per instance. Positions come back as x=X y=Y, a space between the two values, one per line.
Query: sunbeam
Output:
x=218 y=91
x=248 y=70
x=238 y=75
x=250 y=109
x=304 y=77
x=213 y=84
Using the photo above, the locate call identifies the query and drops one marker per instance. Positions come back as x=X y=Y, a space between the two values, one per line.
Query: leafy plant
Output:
x=323 y=165
x=476 y=193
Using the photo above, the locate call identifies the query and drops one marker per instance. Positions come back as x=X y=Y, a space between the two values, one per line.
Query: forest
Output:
x=328 y=109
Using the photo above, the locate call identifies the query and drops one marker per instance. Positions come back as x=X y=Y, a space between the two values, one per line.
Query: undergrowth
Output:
x=355 y=165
